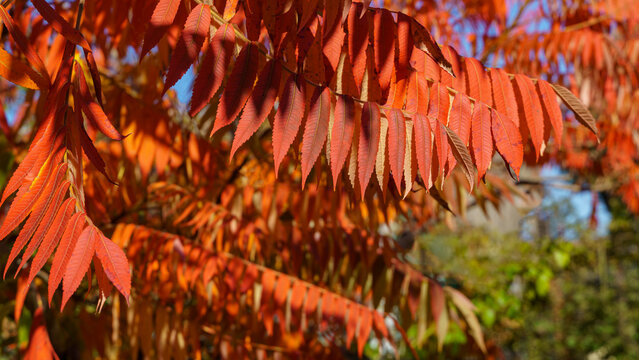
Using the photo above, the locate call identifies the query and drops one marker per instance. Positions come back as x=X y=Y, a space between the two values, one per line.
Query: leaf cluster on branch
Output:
x=163 y=214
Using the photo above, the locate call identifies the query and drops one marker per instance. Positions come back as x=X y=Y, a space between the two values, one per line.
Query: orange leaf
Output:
x=19 y=73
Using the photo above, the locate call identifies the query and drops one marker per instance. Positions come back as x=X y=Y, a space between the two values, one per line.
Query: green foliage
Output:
x=545 y=298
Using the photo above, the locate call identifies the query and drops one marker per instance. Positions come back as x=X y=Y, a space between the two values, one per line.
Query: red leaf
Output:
x=238 y=87
x=459 y=123
x=438 y=110
x=15 y=70
x=79 y=262
x=314 y=66
x=437 y=300
x=258 y=105
x=298 y=292
x=341 y=134
x=417 y=97
x=368 y=144
x=162 y=18
x=281 y=291
x=25 y=46
x=365 y=325
x=51 y=238
x=552 y=112
x=530 y=109
x=357 y=41
x=439 y=103
x=196 y=30
x=103 y=281
x=384 y=35
x=312 y=298
x=52 y=204
x=315 y=130
x=216 y=60
x=42 y=145
x=40 y=347
x=424 y=148
x=460 y=117
x=65 y=249
x=380 y=325
x=95 y=75
x=404 y=45
x=114 y=263
x=92 y=154
x=504 y=100
x=60 y=24
x=288 y=119
x=93 y=110
x=481 y=139
x=478 y=81
x=309 y=9
x=440 y=144
x=332 y=48
x=425 y=42
x=29 y=194
x=396 y=144
x=507 y=140
x=351 y=323
x=457 y=82
x=98 y=118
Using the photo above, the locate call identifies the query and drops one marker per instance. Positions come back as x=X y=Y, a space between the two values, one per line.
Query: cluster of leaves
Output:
x=362 y=84
x=593 y=50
